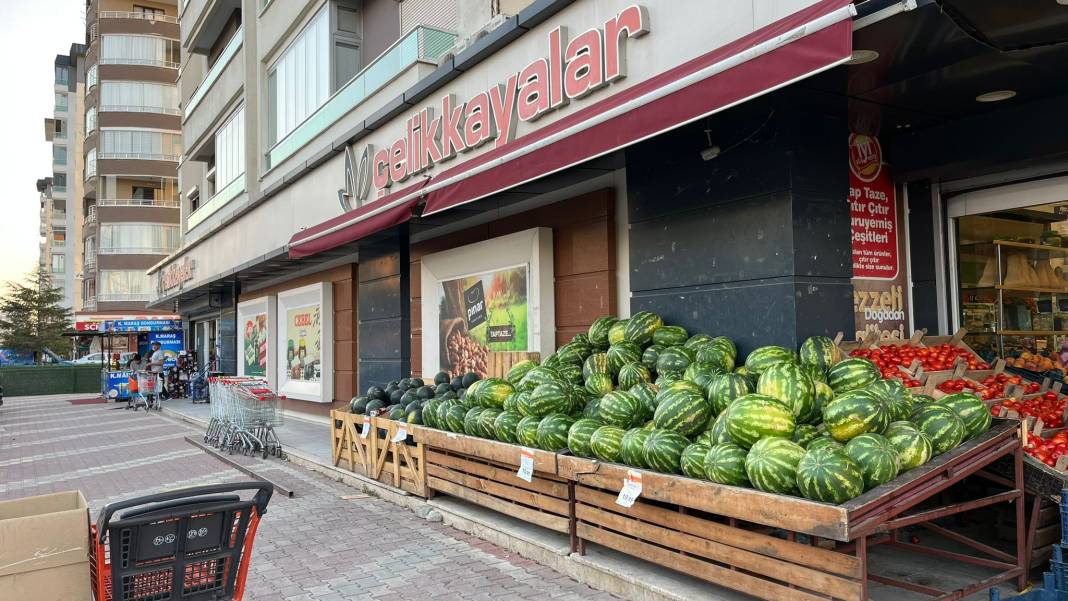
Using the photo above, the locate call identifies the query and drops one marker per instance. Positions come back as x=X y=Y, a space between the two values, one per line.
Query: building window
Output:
x=60 y=131
x=230 y=150
x=138 y=238
x=346 y=43
x=123 y=284
x=59 y=154
x=90 y=120
x=59 y=263
x=90 y=163
x=91 y=75
x=59 y=238
x=139 y=97
x=138 y=50
x=61 y=101
x=299 y=81
x=140 y=144
x=59 y=180
x=147 y=12
x=62 y=75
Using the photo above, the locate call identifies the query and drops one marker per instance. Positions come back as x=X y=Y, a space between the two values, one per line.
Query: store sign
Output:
x=171 y=343
x=571 y=70
x=141 y=325
x=88 y=326
x=880 y=297
x=176 y=274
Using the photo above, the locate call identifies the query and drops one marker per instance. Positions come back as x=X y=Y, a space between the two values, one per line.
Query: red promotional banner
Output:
x=873 y=211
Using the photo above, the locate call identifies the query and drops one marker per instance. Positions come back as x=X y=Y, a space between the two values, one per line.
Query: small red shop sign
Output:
x=873 y=211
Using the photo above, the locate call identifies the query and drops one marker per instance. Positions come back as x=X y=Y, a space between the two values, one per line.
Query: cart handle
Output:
x=263 y=496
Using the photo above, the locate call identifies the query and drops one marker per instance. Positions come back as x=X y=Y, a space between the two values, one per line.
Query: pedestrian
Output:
x=155 y=363
x=135 y=363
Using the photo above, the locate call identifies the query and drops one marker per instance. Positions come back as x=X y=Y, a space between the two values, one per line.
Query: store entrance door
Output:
x=205 y=332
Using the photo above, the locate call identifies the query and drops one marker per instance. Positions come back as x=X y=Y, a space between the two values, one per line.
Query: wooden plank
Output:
x=771 y=546
x=508 y=454
x=780 y=511
x=1047 y=536
x=539 y=518
x=505 y=475
x=715 y=574
x=684 y=542
x=518 y=495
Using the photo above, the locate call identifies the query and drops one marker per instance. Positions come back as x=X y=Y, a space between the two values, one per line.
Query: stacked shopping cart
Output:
x=244 y=415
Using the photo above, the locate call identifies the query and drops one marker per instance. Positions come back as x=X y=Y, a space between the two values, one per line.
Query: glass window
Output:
x=91 y=75
x=59 y=263
x=299 y=82
x=59 y=180
x=141 y=144
x=90 y=163
x=90 y=120
x=138 y=50
x=61 y=75
x=136 y=96
x=61 y=101
x=230 y=150
x=124 y=281
x=60 y=128
x=138 y=238
x=148 y=12
x=59 y=154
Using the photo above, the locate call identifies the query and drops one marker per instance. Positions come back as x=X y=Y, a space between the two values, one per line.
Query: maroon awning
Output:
x=384 y=213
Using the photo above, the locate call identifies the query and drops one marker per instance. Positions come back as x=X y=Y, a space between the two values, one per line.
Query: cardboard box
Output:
x=44 y=548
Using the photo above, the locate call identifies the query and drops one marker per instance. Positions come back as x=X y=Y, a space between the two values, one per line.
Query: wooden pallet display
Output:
x=485 y=472
x=350 y=451
x=500 y=362
x=397 y=459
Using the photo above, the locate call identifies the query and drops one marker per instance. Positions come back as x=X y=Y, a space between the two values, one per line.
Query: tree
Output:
x=31 y=317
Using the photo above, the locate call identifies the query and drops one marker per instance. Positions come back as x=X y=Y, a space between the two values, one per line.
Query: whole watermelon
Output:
x=505 y=425
x=646 y=393
x=823 y=395
x=723 y=389
x=632 y=374
x=682 y=409
x=597 y=363
x=913 y=447
x=755 y=416
x=541 y=374
x=651 y=355
x=641 y=326
x=766 y=356
x=941 y=424
x=664 y=380
x=804 y=434
x=820 y=351
x=486 y=422
x=552 y=361
x=492 y=392
x=787 y=382
x=817 y=373
x=697 y=341
x=876 y=457
x=896 y=397
x=512 y=402
x=430 y=413
x=620 y=408
x=853 y=413
x=701 y=374
x=516 y=373
x=717 y=432
x=592 y=407
x=829 y=475
x=725 y=463
x=472 y=423
x=526 y=431
x=716 y=355
x=358 y=405
x=674 y=360
x=662 y=450
x=725 y=344
x=971 y=410
x=670 y=336
x=570 y=372
x=552 y=397
x=455 y=418
x=692 y=461
x=851 y=374
x=632 y=447
x=574 y=352
x=823 y=442
x=606 y=443
x=622 y=353
x=615 y=332
x=771 y=465
x=599 y=384
x=553 y=430
x=579 y=434
x=598 y=332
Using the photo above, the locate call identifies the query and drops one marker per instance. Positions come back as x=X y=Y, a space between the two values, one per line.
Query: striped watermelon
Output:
x=682 y=408
x=641 y=326
x=724 y=389
x=615 y=332
x=941 y=424
x=598 y=332
x=662 y=451
x=674 y=360
x=665 y=380
x=492 y=392
x=896 y=397
x=512 y=402
x=597 y=363
x=697 y=341
x=804 y=434
x=454 y=418
x=876 y=457
x=553 y=430
x=486 y=421
x=670 y=336
x=571 y=373
x=574 y=352
x=820 y=351
x=591 y=409
x=471 y=422
x=716 y=355
x=430 y=413
x=579 y=397
x=651 y=355
x=722 y=342
x=552 y=361
x=823 y=395
x=912 y=446
x=504 y=426
x=817 y=373
x=921 y=399
x=748 y=375
x=701 y=374
x=582 y=337
x=552 y=397
x=579 y=434
x=829 y=475
x=853 y=413
x=725 y=463
x=766 y=356
x=541 y=374
x=692 y=461
x=755 y=416
x=971 y=410
x=717 y=432
x=606 y=443
x=622 y=353
x=526 y=431
x=851 y=374
x=821 y=442
x=646 y=393
x=599 y=384
x=516 y=373
x=772 y=465
x=632 y=374
x=620 y=408
x=787 y=382
x=632 y=447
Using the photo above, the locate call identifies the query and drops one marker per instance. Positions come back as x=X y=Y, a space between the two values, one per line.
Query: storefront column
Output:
x=754 y=243
x=384 y=314
x=923 y=256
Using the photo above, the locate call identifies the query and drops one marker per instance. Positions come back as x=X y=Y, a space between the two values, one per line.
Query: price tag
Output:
x=632 y=488
x=366 y=427
x=401 y=435
x=526 y=465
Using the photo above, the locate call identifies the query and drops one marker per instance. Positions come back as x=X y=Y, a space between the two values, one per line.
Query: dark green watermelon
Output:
x=764 y=357
x=790 y=384
x=897 y=398
x=599 y=384
x=632 y=447
x=853 y=413
x=620 y=408
x=820 y=351
x=674 y=359
x=622 y=353
x=829 y=475
x=520 y=369
x=552 y=432
x=526 y=431
x=552 y=397
x=597 y=363
x=877 y=458
x=606 y=443
x=646 y=393
x=598 y=332
x=682 y=409
x=651 y=355
x=641 y=326
x=632 y=374
x=663 y=449
x=692 y=461
x=579 y=434
x=725 y=464
x=755 y=416
x=670 y=336
x=505 y=425
x=723 y=389
x=852 y=374
x=772 y=465
x=615 y=332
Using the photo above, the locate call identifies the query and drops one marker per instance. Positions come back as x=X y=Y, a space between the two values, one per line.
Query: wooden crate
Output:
x=500 y=362
x=1044 y=528
x=398 y=464
x=350 y=451
x=484 y=472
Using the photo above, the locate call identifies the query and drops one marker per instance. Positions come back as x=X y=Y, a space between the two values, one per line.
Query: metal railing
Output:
x=134 y=250
x=138 y=61
x=221 y=198
x=89 y=304
x=216 y=69
x=90 y=216
x=90 y=262
x=121 y=14
x=141 y=156
x=132 y=108
x=59 y=189
x=423 y=43
x=59 y=215
x=114 y=297
x=137 y=202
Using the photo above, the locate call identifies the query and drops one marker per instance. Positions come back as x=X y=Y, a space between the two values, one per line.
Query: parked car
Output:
x=96 y=358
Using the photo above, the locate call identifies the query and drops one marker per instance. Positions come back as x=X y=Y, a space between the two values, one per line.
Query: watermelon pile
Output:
x=636 y=391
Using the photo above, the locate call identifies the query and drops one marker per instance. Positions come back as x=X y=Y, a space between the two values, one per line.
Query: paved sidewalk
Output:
x=328 y=543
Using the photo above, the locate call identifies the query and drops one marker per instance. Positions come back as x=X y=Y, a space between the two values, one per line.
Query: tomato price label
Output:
x=401 y=435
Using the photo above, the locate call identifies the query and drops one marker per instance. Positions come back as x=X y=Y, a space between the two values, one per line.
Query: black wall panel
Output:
x=384 y=314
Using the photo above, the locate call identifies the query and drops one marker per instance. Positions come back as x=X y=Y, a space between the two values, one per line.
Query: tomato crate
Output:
x=917 y=356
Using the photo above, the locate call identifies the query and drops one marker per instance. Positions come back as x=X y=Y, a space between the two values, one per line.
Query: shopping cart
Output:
x=244 y=414
x=193 y=544
x=143 y=392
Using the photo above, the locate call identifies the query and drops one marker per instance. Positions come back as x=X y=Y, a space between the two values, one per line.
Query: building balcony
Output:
x=59 y=217
x=223 y=81
x=60 y=190
x=138 y=156
x=120 y=14
x=89 y=304
x=138 y=202
x=137 y=23
x=221 y=198
x=90 y=216
x=123 y=297
x=123 y=108
x=90 y=263
x=134 y=250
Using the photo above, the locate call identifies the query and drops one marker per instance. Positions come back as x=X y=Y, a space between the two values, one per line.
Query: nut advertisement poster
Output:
x=481 y=313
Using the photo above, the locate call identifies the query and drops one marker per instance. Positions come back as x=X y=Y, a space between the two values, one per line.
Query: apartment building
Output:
x=131 y=149
x=45 y=245
x=62 y=224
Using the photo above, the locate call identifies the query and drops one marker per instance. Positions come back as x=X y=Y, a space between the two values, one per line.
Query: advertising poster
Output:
x=303 y=335
x=254 y=344
x=171 y=343
x=481 y=313
x=880 y=278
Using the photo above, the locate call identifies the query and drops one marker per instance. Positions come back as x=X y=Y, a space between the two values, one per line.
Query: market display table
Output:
x=387 y=452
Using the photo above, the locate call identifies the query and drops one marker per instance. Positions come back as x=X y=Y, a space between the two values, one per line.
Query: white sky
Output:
x=32 y=33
